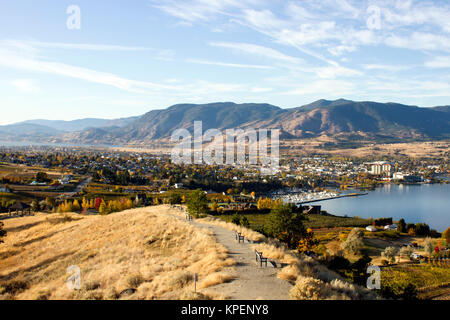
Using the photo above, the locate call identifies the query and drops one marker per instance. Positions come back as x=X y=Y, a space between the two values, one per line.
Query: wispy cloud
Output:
x=85 y=46
x=257 y=50
x=439 y=62
x=11 y=60
x=226 y=64
x=10 y=57
x=25 y=85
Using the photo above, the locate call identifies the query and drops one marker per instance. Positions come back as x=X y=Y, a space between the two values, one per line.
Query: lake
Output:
x=428 y=203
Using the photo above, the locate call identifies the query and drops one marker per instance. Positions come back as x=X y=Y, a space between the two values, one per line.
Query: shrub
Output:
x=91 y=285
x=390 y=253
x=181 y=279
x=428 y=245
x=236 y=219
x=2 y=232
x=135 y=280
x=307 y=288
x=13 y=287
x=406 y=251
x=338 y=263
x=175 y=198
x=245 y=223
x=353 y=244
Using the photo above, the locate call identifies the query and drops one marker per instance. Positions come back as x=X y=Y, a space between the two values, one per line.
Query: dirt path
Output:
x=251 y=282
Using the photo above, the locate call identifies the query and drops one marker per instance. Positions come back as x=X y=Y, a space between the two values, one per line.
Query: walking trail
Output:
x=251 y=282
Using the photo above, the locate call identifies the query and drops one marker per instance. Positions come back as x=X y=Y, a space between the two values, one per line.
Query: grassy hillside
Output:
x=146 y=250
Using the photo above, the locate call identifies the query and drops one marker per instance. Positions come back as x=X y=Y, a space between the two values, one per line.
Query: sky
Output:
x=115 y=58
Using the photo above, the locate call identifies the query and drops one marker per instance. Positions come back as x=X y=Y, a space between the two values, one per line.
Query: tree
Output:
x=422 y=229
x=76 y=205
x=214 y=206
x=308 y=242
x=2 y=232
x=390 y=253
x=236 y=219
x=446 y=235
x=35 y=206
x=103 y=208
x=197 y=203
x=406 y=252
x=51 y=203
x=41 y=177
x=428 y=246
x=245 y=223
x=286 y=224
x=354 y=242
x=175 y=198
x=402 y=226
x=98 y=202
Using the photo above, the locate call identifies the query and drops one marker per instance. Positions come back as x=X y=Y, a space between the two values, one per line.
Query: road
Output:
x=78 y=188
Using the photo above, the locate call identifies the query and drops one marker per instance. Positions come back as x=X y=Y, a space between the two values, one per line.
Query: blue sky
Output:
x=129 y=57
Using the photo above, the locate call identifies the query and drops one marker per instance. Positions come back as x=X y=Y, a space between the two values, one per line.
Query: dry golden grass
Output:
x=312 y=279
x=147 y=250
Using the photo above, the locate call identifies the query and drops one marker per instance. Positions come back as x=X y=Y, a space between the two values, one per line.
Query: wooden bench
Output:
x=188 y=217
x=259 y=256
x=239 y=237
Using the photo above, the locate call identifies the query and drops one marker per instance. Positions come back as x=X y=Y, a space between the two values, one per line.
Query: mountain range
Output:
x=340 y=118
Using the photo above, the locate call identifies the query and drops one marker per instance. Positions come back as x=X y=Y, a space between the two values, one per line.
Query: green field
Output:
x=315 y=221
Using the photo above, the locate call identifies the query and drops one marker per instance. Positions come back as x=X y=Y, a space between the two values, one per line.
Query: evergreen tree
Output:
x=286 y=224
x=197 y=203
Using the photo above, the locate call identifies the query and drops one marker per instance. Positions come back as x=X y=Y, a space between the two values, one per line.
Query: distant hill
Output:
x=342 y=118
x=442 y=108
x=27 y=129
x=225 y=115
x=81 y=124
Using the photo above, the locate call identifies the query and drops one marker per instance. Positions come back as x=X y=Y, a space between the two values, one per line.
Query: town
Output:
x=88 y=181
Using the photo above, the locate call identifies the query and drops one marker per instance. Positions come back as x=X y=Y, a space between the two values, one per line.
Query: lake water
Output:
x=428 y=203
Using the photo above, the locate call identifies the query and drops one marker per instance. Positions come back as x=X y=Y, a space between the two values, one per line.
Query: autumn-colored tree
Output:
x=98 y=202
x=102 y=209
x=268 y=203
x=76 y=205
x=214 y=206
x=308 y=242
x=129 y=204
x=446 y=235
